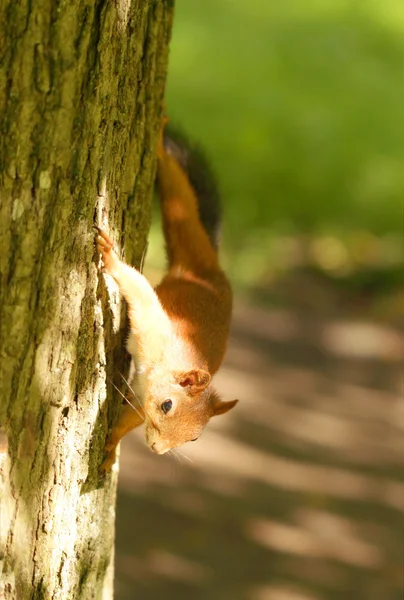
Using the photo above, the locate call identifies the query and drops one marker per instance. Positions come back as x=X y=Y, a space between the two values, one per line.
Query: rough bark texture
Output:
x=81 y=87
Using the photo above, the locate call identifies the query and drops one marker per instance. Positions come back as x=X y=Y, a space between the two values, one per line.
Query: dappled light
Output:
x=295 y=494
x=280 y=592
x=322 y=535
x=364 y=340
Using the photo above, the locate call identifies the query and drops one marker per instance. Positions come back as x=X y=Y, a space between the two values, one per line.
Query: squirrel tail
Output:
x=200 y=175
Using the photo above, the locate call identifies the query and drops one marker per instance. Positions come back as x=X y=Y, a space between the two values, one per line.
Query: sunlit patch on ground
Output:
x=295 y=495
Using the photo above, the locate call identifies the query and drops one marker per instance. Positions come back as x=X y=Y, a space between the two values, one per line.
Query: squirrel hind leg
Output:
x=161 y=151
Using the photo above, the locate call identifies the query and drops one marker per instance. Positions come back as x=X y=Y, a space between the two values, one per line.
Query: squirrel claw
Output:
x=107 y=463
x=104 y=246
x=103 y=239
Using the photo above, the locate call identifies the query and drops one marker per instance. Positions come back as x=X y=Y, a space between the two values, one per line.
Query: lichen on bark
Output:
x=81 y=88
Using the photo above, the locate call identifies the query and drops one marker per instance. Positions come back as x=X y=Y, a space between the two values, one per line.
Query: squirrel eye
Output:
x=166 y=406
x=194 y=440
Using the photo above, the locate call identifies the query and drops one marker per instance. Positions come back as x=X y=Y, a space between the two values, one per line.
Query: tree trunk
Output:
x=81 y=88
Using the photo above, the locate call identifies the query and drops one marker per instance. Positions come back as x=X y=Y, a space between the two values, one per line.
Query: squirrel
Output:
x=178 y=332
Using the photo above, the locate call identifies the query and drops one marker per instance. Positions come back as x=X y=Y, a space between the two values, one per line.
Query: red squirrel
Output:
x=178 y=332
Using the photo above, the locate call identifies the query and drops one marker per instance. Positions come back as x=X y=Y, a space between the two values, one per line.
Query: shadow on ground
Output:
x=297 y=494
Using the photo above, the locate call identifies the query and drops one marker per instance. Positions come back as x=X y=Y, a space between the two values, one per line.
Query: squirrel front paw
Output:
x=104 y=247
x=109 y=460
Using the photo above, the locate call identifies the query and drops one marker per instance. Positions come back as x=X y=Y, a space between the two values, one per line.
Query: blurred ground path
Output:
x=298 y=494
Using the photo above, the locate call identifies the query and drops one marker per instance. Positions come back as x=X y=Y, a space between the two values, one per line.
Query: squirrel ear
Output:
x=219 y=407
x=196 y=380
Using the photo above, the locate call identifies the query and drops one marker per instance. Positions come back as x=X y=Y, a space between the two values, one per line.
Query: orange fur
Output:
x=179 y=331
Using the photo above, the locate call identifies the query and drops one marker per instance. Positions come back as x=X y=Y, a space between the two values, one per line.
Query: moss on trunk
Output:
x=81 y=87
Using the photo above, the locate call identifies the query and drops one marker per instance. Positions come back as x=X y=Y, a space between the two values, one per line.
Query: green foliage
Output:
x=300 y=105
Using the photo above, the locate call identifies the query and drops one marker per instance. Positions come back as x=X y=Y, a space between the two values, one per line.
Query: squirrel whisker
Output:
x=172 y=453
x=129 y=386
x=184 y=455
x=128 y=401
x=136 y=397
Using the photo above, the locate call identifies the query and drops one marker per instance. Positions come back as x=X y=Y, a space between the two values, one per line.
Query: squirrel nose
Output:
x=158 y=449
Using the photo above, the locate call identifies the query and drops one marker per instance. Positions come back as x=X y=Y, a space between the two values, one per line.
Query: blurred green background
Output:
x=298 y=493
x=300 y=106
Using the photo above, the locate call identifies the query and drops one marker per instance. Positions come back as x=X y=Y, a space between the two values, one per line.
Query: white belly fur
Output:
x=137 y=372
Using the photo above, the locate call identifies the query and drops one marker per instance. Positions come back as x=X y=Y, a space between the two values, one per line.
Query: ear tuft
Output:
x=219 y=407
x=196 y=380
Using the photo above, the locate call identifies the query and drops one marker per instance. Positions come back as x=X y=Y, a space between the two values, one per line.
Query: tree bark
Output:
x=81 y=88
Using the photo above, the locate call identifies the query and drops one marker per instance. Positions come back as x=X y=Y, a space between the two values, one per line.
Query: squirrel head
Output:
x=177 y=413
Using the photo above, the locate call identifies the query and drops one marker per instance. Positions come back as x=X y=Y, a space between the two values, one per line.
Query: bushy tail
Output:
x=201 y=177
